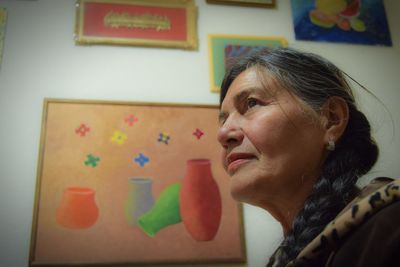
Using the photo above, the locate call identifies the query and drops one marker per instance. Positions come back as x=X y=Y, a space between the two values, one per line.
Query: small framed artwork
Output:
x=117 y=185
x=223 y=49
x=353 y=22
x=3 y=19
x=250 y=3
x=151 y=23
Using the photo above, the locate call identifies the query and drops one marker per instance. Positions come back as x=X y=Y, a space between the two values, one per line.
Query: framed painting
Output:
x=3 y=19
x=152 y=23
x=224 y=49
x=355 y=22
x=251 y=3
x=132 y=183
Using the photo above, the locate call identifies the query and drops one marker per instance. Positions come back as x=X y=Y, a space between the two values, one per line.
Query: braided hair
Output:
x=313 y=80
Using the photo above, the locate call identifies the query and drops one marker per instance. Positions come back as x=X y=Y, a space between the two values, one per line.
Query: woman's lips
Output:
x=236 y=160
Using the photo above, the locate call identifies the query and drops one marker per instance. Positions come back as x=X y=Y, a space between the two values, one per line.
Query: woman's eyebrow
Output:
x=240 y=97
x=244 y=94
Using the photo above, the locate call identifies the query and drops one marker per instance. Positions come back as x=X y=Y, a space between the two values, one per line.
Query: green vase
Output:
x=165 y=211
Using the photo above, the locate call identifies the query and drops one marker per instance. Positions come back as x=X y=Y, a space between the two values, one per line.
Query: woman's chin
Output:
x=240 y=192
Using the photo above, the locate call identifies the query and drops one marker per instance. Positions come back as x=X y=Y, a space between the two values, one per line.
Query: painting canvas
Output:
x=340 y=21
x=132 y=183
x=3 y=18
x=224 y=49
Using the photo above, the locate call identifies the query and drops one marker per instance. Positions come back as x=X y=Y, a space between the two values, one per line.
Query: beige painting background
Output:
x=111 y=239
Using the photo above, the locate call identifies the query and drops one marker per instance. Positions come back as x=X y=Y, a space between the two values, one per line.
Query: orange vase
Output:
x=200 y=200
x=78 y=208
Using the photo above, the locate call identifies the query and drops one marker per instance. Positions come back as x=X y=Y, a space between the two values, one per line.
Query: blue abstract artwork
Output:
x=341 y=21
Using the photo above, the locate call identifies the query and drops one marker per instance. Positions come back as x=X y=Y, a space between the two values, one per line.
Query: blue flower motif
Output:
x=141 y=159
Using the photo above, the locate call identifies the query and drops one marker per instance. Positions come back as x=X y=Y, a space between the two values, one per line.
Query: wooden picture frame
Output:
x=249 y=3
x=223 y=49
x=149 y=23
x=106 y=169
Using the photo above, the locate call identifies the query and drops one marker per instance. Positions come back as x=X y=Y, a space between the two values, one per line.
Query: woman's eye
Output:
x=251 y=102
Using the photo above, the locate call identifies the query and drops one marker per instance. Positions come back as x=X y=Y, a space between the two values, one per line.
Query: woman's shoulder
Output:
x=376 y=239
x=372 y=211
x=375 y=243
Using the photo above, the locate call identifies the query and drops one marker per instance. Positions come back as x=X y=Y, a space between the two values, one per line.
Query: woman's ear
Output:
x=335 y=113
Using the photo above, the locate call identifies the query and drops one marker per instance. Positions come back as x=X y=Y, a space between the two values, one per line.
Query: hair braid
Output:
x=355 y=155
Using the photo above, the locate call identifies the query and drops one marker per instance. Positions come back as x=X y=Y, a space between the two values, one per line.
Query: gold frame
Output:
x=249 y=3
x=49 y=239
x=191 y=42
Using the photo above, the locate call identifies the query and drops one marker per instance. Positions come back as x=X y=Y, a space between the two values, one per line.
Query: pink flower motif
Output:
x=198 y=133
x=131 y=119
x=82 y=130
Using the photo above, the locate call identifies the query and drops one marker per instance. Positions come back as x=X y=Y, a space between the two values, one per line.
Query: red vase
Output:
x=200 y=200
x=78 y=208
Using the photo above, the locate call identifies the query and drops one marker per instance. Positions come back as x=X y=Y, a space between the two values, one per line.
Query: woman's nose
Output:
x=230 y=134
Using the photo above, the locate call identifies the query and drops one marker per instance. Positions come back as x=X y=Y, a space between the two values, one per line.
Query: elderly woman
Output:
x=295 y=144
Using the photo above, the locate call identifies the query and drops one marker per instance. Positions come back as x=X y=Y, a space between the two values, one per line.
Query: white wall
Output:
x=41 y=60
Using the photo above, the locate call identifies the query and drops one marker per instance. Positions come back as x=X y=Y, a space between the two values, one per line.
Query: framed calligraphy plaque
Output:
x=118 y=186
x=250 y=3
x=152 y=23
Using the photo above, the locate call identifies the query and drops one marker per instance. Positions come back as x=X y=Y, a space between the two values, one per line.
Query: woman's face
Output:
x=272 y=147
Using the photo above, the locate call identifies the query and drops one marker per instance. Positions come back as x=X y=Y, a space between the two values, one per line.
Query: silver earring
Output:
x=331 y=145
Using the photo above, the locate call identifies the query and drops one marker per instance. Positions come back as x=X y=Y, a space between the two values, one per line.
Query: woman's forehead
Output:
x=254 y=80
